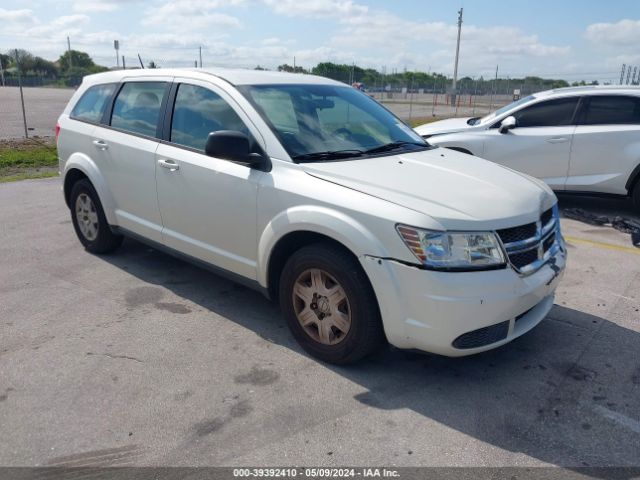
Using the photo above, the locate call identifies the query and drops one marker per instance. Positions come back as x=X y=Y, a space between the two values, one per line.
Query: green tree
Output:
x=78 y=60
x=288 y=68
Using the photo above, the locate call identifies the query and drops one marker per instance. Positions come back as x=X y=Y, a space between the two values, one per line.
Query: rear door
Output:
x=606 y=144
x=540 y=145
x=127 y=148
x=208 y=205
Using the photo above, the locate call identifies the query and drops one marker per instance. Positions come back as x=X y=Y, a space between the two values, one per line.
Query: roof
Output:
x=591 y=90
x=231 y=75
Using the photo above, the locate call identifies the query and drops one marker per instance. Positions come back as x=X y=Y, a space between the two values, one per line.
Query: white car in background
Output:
x=580 y=140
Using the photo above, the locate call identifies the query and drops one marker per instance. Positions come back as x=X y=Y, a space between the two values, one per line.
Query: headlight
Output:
x=453 y=251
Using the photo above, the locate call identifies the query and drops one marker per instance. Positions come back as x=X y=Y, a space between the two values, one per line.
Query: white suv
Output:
x=578 y=140
x=313 y=193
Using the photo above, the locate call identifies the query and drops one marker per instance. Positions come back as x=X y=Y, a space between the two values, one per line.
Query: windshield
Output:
x=506 y=108
x=324 y=122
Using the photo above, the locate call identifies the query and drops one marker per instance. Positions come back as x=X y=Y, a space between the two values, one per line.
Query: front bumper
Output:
x=433 y=311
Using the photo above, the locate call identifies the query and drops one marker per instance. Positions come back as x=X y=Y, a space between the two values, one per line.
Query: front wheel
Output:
x=89 y=220
x=329 y=304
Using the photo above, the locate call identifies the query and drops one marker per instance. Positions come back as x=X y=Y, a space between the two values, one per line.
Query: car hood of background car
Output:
x=450 y=125
x=459 y=191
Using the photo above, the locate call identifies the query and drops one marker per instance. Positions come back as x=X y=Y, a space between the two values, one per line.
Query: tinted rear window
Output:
x=93 y=103
x=612 y=110
x=137 y=107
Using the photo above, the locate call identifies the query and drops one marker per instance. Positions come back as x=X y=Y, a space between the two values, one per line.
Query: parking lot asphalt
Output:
x=138 y=358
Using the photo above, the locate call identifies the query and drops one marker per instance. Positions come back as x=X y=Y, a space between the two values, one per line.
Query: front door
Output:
x=208 y=205
x=540 y=145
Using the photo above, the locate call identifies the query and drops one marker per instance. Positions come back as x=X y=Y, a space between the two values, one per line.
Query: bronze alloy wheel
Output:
x=321 y=307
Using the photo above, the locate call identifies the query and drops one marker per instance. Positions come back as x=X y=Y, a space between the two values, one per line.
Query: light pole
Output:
x=455 y=67
x=116 y=46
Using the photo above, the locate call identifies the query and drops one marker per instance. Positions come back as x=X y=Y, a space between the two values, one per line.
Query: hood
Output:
x=450 y=125
x=459 y=191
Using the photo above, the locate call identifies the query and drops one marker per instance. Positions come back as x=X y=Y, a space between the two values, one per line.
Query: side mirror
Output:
x=231 y=145
x=507 y=124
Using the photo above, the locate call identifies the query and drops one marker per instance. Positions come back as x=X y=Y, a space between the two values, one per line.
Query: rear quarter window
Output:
x=612 y=110
x=93 y=103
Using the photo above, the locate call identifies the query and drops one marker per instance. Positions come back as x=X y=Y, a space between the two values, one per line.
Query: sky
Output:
x=573 y=40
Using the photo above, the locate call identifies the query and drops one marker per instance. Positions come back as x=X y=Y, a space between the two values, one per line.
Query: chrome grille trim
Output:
x=538 y=241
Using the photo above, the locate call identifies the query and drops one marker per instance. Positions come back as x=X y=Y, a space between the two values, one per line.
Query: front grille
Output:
x=546 y=216
x=528 y=245
x=517 y=234
x=520 y=260
x=482 y=336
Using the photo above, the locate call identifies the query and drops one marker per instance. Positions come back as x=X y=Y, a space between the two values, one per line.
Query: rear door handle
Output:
x=557 y=139
x=101 y=144
x=169 y=165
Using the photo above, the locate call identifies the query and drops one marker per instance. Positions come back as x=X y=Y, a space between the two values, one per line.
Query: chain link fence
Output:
x=45 y=98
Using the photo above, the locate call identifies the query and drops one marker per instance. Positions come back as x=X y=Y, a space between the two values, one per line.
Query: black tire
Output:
x=105 y=241
x=636 y=196
x=365 y=333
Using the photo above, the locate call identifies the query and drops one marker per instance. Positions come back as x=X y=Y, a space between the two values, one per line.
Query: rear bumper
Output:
x=463 y=313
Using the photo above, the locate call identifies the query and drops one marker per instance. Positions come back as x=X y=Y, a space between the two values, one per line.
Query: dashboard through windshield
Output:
x=328 y=122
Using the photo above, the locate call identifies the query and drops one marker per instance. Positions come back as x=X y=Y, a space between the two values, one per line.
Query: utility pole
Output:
x=24 y=115
x=124 y=66
x=1 y=71
x=116 y=46
x=495 y=81
x=455 y=67
x=294 y=64
x=624 y=66
x=200 y=50
x=69 y=50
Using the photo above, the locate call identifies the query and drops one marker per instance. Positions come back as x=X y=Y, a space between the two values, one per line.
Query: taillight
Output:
x=57 y=130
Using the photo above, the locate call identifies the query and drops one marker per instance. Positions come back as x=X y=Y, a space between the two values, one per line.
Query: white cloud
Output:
x=317 y=8
x=191 y=15
x=623 y=34
x=16 y=18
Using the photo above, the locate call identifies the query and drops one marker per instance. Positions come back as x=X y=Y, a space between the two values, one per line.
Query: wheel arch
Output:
x=79 y=166
x=633 y=180
x=301 y=226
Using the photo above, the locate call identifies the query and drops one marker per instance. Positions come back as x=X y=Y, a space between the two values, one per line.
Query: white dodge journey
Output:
x=313 y=193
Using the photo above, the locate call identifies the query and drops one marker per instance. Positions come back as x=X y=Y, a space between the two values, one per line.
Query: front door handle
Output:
x=557 y=139
x=101 y=144
x=169 y=165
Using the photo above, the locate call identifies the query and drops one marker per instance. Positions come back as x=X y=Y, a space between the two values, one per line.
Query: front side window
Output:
x=505 y=109
x=198 y=112
x=551 y=113
x=317 y=122
x=612 y=110
x=93 y=103
x=137 y=107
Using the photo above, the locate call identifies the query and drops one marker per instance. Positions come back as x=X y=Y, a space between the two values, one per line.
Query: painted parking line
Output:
x=630 y=423
x=606 y=246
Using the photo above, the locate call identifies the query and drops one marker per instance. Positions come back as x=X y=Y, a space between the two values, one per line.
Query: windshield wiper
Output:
x=394 y=145
x=328 y=155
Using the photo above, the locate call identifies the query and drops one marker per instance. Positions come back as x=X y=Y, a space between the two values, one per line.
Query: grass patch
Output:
x=416 y=122
x=20 y=160
x=27 y=175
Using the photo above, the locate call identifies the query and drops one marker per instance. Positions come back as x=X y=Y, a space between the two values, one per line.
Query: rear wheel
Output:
x=89 y=221
x=329 y=304
x=636 y=196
